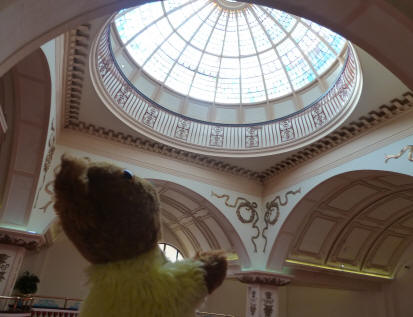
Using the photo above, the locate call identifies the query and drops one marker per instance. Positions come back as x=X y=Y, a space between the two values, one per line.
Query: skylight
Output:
x=226 y=52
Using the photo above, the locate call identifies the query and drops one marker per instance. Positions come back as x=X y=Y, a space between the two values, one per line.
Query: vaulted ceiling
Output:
x=358 y=222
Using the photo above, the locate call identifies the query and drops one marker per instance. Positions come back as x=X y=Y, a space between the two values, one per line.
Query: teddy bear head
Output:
x=108 y=213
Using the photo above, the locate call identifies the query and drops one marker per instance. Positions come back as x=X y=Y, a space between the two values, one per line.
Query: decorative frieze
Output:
x=77 y=44
x=263 y=278
x=21 y=239
x=79 y=41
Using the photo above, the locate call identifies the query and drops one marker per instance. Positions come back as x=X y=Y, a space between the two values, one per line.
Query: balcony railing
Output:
x=277 y=135
x=39 y=306
x=17 y=306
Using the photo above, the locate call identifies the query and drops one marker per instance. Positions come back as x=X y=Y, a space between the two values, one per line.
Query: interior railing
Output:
x=152 y=118
x=39 y=306
x=54 y=306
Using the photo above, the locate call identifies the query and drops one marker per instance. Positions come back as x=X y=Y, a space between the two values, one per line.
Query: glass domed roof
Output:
x=227 y=52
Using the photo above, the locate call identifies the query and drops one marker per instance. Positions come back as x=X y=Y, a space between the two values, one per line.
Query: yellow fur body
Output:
x=146 y=286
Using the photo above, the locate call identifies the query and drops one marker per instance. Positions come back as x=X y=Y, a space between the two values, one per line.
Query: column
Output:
x=262 y=296
x=13 y=245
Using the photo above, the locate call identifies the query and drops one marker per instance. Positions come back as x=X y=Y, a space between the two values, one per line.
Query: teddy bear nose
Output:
x=127 y=174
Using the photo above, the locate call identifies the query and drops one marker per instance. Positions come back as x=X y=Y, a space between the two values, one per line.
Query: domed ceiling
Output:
x=226 y=51
x=224 y=78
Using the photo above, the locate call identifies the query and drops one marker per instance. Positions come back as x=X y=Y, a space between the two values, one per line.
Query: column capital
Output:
x=263 y=278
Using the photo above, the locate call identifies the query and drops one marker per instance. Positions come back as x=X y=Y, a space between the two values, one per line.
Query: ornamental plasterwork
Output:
x=263 y=278
x=79 y=40
x=244 y=206
x=3 y=265
x=272 y=212
x=20 y=239
x=406 y=148
x=51 y=148
x=275 y=136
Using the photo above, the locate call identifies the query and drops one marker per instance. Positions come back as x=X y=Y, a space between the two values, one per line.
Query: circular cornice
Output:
x=231 y=140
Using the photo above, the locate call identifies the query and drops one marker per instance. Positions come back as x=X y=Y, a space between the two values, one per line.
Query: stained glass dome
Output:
x=227 y=52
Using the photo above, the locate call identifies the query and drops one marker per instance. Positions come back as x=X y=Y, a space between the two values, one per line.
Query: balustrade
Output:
x=276 y=135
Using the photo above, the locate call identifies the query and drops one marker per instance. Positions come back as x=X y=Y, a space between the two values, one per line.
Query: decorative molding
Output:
x=268 y=304
x=3 y=265
x=344 y=134
x=76 y=66
x=21 y=239
x=249 y=207
x=271 y=220
x=51 y=147
x=77 y=46
x=278 y=135
x=163 y=149
x=403 y=150
x=48 y=189
x=263 y=278
x=3 y=122
x=252 y=301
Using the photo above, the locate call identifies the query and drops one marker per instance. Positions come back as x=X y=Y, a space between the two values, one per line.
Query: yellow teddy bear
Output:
x=112 y=217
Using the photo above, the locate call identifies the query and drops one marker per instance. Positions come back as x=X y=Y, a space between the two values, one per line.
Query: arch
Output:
x=357 y=222
x=197 y=224
x=32 y=103
x=360 y=22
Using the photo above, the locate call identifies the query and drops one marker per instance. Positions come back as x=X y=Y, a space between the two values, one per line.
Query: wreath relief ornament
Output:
x=244 y=206
x=272 y=212
x=247 y=213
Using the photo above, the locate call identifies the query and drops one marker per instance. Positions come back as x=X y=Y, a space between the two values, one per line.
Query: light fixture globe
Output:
x=223 y=77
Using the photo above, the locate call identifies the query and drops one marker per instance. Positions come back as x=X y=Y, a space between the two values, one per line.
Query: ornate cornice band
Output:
x=263 y=278
x=76 y=63
x=29 y=241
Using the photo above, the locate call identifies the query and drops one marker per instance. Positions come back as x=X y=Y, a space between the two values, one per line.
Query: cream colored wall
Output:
x=61 y=272
x=60 y=269
x=300 y=301
x=305 y=301
x=229 y=298
x=402 y=291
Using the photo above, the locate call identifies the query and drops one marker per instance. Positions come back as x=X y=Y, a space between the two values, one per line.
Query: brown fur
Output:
x=110 y=217
x=215 y=266
x=106 y=215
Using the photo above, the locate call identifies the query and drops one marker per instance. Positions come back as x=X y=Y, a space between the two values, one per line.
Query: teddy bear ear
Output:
x=71 y=176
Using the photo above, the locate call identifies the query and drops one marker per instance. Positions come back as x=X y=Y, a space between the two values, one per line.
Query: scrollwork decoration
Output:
x=272 y=212
x=3 y=265
x=402 y=151
x=49 y=190
x=243 y=204
x=49 y=158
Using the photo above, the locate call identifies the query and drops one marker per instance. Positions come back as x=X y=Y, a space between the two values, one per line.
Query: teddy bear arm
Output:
x=214 y=264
